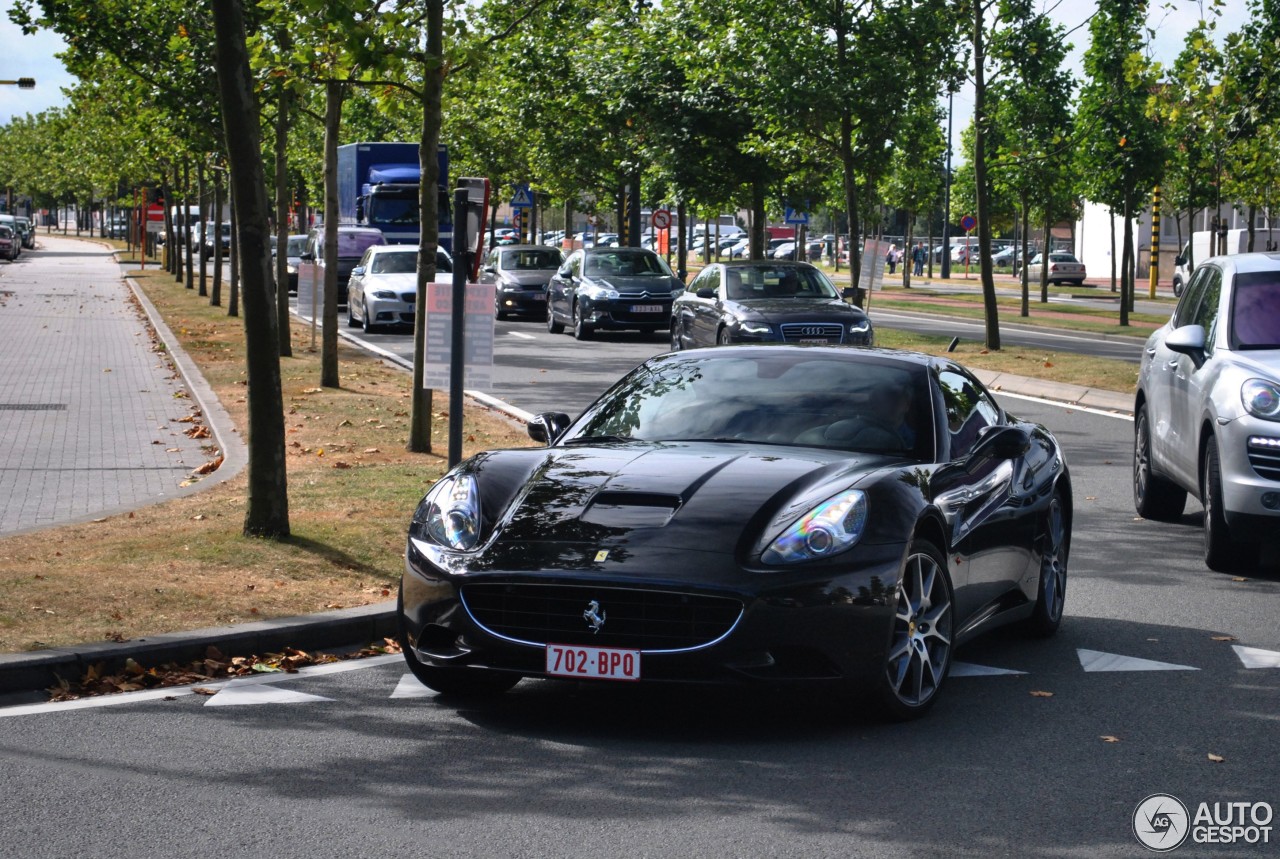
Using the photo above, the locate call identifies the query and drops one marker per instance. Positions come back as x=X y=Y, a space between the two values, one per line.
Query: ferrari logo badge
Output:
x=594 y=615
x=602 y=555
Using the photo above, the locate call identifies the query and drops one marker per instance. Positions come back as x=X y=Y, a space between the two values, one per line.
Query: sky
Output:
x=33 y=56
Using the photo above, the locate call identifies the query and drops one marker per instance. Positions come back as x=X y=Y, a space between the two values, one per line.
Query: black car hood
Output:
x=694 y=496
x=779 y=310
x=526 y=278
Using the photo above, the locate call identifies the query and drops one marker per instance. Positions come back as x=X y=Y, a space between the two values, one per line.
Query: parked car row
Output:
x=20 y=234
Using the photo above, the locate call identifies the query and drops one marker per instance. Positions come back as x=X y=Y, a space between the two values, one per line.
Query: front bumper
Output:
x=525 y=301
x=1250 y=492
x=389 y=311
x=815 y=627
x=626 y=314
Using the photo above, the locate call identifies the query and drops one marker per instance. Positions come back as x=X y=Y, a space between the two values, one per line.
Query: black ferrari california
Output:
x=773 y=514
x=761 y=301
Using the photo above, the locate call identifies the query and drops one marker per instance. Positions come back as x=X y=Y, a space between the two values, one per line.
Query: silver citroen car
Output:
x=1207 y=412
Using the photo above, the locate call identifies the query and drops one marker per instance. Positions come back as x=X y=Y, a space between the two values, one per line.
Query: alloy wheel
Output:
x=1053 y=561
x=920 y=649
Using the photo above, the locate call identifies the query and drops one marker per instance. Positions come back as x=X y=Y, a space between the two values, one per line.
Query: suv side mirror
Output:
x=547 y=427
x=1187 y=340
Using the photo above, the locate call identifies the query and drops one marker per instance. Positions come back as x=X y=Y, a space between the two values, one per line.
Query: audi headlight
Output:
x=384 y=293
x=832 y=527
x=753 y=328
x=1261 y=398
x=451 y=513
x=597 y=293
x=860 y=327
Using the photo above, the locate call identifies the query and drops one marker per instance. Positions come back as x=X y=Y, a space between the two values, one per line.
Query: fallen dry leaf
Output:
x=371 y=450
x=203 y=690
x=1239 y=579
x=1222 y=638
x=1217 y=759
x=199 y=517
x=210 y=466
x=341 y=464
x=1036 y=693
x=1107 y=738
x=198 y=432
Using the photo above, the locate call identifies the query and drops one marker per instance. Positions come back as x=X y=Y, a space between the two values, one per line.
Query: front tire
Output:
x=676 y=344
x=724 y=338
x=1154 y=497
x=919 y=657
x=1055 y=547
x=581 y=330
x=553 y=326
x=1222 y=553
x=351 y=320
x=367 y=326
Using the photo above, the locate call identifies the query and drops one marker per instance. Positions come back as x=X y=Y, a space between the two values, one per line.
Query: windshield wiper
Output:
x=599 y=439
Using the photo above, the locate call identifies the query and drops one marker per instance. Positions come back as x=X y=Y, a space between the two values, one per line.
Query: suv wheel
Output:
x=1153 y=497
x=1222 y=554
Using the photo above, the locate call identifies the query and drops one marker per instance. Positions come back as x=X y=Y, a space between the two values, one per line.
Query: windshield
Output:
x=354 y=244
x=402 y=211
x=1255 y=311
x=395 y=262
x=769 y=281
x=531 y=260
x=297 y=245
x=626 y=262
x=809 y=400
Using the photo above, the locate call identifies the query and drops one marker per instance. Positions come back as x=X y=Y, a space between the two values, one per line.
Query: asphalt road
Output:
x=363 y=763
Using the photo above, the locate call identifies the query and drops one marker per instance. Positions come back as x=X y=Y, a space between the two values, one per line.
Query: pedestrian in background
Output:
x=892 y=258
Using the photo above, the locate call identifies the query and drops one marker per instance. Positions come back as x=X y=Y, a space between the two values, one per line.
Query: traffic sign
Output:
x=661 y=219
x=523 y=198
x=795 y=217
x=968 y=222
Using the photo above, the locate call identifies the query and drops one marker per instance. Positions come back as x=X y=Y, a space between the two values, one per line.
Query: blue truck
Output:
x=378 y=187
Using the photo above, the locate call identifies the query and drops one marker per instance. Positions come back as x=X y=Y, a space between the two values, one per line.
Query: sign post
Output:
x=661 y=222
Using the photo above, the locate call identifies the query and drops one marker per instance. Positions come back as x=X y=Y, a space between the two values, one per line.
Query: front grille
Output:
x=1265 y=461
x=409 y=297
x=634 y=619
x=795 y=332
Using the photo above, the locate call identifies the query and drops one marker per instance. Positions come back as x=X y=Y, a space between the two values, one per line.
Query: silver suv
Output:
x=1207 y=413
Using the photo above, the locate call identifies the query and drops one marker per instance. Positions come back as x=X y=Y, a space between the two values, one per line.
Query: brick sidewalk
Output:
x=89 y=412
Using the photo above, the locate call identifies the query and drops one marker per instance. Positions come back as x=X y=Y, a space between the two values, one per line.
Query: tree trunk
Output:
x=283 y=195
x=329 y=317
x=267 y=513
x=233 y=304
x=429 y=216
x=191 y=228
x=179 y=225
x=1253 y=216
x=204 y=219
x=1112 y=215
x=215 y=294
x=983 y=190
x=1126 y=275
x=758 y=243
x=682 y=252
x=908 y=248
x=1044 y=269
x=1025 y=281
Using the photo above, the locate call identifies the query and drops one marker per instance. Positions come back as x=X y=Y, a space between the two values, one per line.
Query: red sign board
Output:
x=155 y=213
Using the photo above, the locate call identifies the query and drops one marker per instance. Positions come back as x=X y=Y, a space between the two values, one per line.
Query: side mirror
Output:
x=307 y=257
x=488 y=269
x=706 y=292
x=1000 y=444
x=1187 y=340
x=547 y=427
x=357 y=271
x=1179 y=260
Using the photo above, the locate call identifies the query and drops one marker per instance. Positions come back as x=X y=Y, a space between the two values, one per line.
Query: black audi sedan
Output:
x=754 y=514
x=611 y=289
x=765 y=300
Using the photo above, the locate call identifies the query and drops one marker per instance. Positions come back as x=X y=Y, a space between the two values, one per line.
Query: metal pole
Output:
x=946 y=211
x=1155 y=241
x=461 y=263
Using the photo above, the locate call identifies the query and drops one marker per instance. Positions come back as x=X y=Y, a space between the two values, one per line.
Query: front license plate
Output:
x=593 y=663
x=822 y=340
x=646 y=308
x=539 y=296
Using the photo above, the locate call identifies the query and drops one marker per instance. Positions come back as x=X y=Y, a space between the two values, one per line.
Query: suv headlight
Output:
x=753 y=328
x=860 y=327
x=450 y=512
x=1261 y=398
x=832 y=527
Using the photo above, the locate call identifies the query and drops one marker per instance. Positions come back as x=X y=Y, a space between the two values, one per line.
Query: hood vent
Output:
x=615 y=509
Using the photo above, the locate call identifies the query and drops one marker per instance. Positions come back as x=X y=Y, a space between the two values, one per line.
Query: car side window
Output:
x=1206 y=315
x=575 y=265
x=1190 y=303
x=711 y=278
x=969 y=409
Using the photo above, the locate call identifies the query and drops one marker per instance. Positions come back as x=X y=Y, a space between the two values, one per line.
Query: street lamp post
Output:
x=946 y=211
x=22 y=83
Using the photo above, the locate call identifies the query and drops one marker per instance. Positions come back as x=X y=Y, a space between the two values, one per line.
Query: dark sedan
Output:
x=611 y=288
x=775 y=514
x=754 y=302
x=520 y=274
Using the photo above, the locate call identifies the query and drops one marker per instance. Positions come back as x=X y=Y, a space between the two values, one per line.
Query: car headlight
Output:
x=450 y=512
x=597 y=293
x=860 y=327
x=384 y=293
x=832 y=527
x=753 y=328
x=1261 y=398
x=291 y=269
